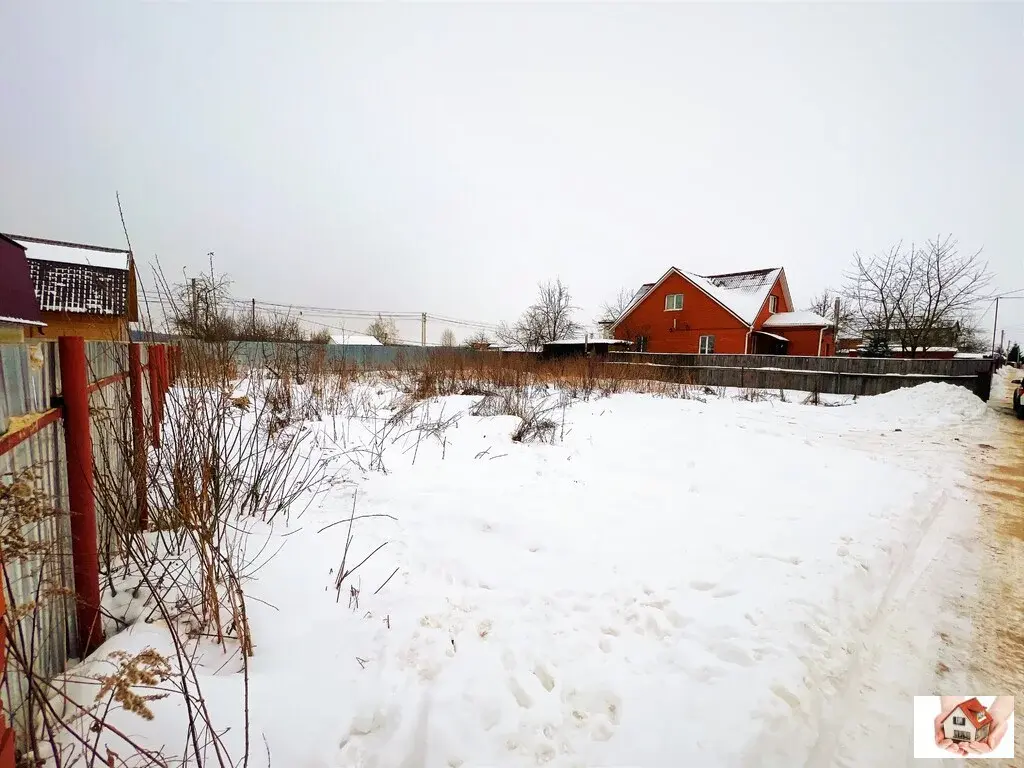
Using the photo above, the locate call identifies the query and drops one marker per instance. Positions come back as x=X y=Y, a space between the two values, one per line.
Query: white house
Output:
x=970 y=721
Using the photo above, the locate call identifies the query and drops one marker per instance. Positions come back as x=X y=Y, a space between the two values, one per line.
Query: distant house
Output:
x=354 y=339
x=940 y=343
x=19 y=310
x=582 y=348
x=75 y=294
x=735 y=313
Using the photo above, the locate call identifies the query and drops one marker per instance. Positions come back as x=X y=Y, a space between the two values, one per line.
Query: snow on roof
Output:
x=794 y=319
x=79 y=288
x=742 y=293
x=354 y=340
x=72 y=253
x=773 y=335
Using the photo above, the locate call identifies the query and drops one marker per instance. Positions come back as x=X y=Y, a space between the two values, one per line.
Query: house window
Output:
x=673 y=302
x=959 y=721
x=773 y=304
x=707 y=345
x=962 y=735
x=641 y=343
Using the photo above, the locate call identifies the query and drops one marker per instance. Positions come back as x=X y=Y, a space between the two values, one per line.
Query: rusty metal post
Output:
x=155 y=392
x=81 y=492
x=139 y=447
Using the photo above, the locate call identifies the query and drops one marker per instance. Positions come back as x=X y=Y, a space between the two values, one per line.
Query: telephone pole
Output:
x=995 y=322
x=423 y=329
x=254 y=316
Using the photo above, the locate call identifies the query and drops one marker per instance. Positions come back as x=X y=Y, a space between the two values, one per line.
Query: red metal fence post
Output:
x=139 y=447
x=155 y=392
x=81 y=498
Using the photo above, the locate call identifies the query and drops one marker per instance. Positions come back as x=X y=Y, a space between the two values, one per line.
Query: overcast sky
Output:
x=447 y=157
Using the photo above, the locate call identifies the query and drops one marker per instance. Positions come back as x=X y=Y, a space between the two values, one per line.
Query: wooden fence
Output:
x=68 y=410
x=832 y=375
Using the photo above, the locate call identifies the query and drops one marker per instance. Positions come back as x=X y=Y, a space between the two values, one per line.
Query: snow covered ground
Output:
x=668 y=582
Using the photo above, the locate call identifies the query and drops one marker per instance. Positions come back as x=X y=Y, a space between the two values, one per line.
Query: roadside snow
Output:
x=672 y=582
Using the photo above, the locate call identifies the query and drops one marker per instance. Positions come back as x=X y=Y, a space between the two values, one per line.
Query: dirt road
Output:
x=952 y=621
x=997 y=616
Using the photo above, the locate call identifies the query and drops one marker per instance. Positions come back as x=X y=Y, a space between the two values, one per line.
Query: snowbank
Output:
x=927 y=405
x=672 y=582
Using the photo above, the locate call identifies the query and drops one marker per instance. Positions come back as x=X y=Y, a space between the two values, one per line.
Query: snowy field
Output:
x=665 y=582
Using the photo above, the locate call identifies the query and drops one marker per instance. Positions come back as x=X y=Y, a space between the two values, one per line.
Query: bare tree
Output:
x=824 y=304
x=610 y=311
x=478 y=339
x=448 y=338
x=917 y=297
x=383 y=330
x=202 y=307
x=549 y=318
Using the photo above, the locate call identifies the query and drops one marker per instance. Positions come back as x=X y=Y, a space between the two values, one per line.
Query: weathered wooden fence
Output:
x=70 y=411
x=832 y=375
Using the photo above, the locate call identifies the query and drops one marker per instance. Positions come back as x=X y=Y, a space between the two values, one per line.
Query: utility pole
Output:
x=995 y=322
x=1002 y=341
x=195 y=310
x=254 y=317
x=835 y=327
x=423 y=329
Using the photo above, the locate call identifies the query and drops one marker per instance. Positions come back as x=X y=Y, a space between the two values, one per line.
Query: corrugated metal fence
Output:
x=39 y=588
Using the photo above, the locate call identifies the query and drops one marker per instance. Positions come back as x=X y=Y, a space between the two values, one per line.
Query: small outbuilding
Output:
x=585 y=347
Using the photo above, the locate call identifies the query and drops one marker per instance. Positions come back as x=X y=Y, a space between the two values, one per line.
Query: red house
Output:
x=736 y=313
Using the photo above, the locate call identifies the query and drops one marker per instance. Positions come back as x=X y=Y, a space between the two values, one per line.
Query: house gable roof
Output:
x=742 y=294
x=974 y=711
x=79 y=288
x=796 y=320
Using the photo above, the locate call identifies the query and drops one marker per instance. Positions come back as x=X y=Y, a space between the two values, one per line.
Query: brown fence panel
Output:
x=799 y=380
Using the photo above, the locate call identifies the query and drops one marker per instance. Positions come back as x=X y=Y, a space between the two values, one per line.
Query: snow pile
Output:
x=929 y=405
x=669 y=582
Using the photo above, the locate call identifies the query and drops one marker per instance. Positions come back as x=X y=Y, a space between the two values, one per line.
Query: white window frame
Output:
x=773 y=304
x=674 y=308
x=704 y=343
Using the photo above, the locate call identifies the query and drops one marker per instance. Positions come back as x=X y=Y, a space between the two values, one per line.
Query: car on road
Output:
x=1018 y=395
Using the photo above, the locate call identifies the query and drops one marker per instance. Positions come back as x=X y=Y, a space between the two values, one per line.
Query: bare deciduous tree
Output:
x=383 y=330
x=917 y=297
x=448 y=338
x=610 y=311
x=824 y=304
x=549 y=318
x=202 y=307
x=478 y=339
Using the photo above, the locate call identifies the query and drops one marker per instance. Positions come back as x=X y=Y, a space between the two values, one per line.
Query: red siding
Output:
x=804 y=341
x=680 y=331
x=783 y=306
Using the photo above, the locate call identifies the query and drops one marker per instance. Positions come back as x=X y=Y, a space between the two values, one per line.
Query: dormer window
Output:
x=773 y=304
